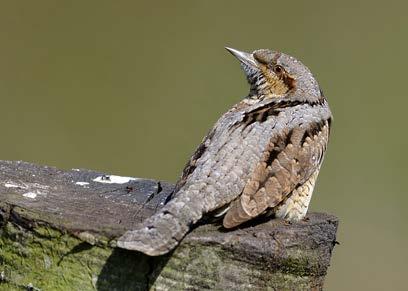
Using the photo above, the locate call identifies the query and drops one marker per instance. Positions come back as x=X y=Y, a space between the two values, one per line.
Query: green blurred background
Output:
x=131 y=87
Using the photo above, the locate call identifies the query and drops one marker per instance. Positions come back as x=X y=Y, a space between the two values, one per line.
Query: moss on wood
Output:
x=65 y=240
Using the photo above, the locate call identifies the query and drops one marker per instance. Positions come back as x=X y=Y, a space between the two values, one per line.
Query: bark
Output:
x=58 y=233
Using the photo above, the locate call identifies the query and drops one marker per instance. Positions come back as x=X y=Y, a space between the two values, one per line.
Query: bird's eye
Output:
x=277 y=69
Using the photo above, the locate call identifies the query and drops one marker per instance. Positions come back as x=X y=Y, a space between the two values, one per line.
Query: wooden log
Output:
x=58 y=231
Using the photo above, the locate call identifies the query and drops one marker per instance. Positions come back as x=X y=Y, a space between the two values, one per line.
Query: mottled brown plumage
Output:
x=261 y=156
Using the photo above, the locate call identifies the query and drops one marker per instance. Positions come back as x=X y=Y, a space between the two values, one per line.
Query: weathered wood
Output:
x=58 y=233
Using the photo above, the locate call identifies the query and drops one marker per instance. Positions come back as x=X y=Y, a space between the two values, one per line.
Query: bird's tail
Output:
x=164 y=230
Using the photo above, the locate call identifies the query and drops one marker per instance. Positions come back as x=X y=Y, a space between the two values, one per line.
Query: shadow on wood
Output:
x=58 y=231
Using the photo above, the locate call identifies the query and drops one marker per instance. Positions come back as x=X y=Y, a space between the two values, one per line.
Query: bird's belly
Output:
x=294 y=208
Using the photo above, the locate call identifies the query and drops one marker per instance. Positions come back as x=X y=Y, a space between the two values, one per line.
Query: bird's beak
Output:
x=245 y=58
x=248 y=62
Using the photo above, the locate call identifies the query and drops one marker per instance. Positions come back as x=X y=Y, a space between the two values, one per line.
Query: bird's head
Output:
x=273 y=74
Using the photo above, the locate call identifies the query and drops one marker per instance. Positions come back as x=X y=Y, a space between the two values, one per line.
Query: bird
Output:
x=261 y=158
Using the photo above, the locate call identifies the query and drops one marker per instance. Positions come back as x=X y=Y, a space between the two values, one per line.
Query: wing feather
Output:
x=288 y=162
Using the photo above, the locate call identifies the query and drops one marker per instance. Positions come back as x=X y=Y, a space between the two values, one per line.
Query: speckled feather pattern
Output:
x=264 y=154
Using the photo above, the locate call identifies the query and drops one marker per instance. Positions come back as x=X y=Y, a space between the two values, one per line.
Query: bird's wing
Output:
x=288 y=162
x=191 y=164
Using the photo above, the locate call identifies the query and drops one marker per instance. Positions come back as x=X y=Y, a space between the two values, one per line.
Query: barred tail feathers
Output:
x=163 y=231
